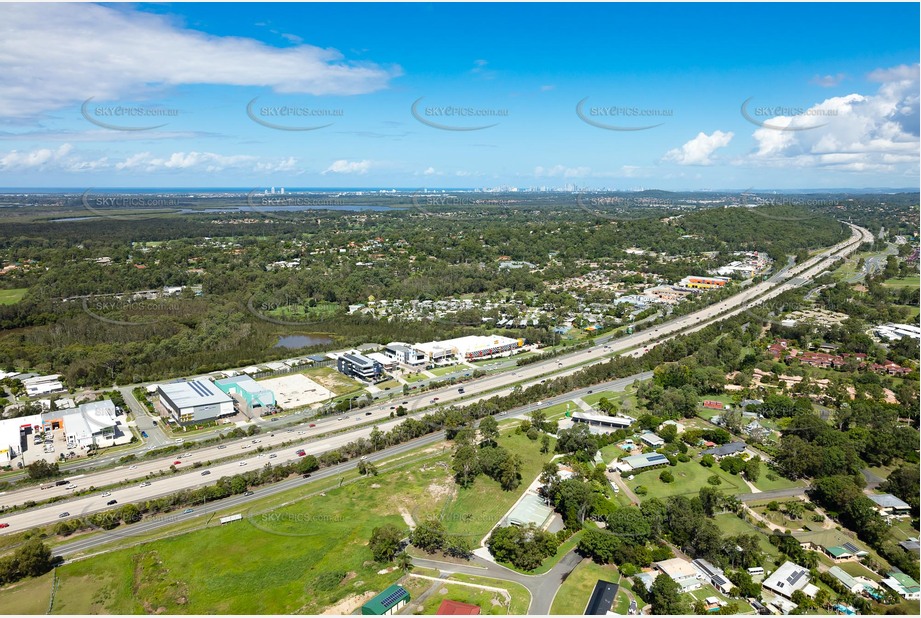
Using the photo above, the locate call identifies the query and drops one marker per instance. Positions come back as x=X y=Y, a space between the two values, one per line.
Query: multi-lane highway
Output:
x=315 y=437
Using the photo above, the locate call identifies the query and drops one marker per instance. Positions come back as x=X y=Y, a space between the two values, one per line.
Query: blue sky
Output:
x=767 y=96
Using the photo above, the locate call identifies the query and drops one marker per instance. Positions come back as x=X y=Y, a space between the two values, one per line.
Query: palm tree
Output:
x=404 y=562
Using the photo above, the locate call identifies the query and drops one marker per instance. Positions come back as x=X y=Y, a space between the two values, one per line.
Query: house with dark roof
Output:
x=713 y=574
x=725 y=450
x=834 y=544
x=602 y=599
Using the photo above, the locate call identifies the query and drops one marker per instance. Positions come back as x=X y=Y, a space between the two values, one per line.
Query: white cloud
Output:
x=828 y=81
x=561 y=171
x=877 y=132
x=698 y=150
x=348 y=167
x=431 y=171
x=119 y=52
x=66 y=159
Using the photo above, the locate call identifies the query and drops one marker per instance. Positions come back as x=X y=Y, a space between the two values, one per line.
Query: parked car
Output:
x=111 y=502
x=143 y=434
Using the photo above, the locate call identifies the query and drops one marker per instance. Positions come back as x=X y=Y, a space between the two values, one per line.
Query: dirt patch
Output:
x=387 y=570
x=443 y=489
x=348 y=605
x=375 y=486
x=407 y=517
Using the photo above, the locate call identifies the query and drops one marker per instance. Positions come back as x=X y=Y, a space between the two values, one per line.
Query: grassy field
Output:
x=415 y=377
x=442 y=371
x=490 y=602
x=689 y=478
x=475 y=510
x=858 y=570
x=521 y=598
x=573 y=595
x=333 y=380
x=709 y=591
x=11 y=297
x=315 y=550
x=388 y=384
x=322 y=311
x=29 y=596
x=611 y=452
x=908 y=282
x=769 y=480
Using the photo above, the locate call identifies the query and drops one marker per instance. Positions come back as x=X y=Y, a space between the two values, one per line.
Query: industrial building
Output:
x=194 y=401
x=404 y=354
x=470 y=348
x=251 y=395
x=356 y=365
x=695 y=282
x=387 y=603
x=387 y=362
x=87 y=425
x=42 y=385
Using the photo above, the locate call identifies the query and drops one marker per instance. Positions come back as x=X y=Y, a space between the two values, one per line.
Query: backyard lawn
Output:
x=689 y=478
x=574 y=594
x=11 y=297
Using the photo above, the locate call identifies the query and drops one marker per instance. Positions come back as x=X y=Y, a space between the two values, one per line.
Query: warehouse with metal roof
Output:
x=194 y=401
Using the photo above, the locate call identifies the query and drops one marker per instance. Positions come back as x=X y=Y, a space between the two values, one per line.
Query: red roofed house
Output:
x=456 y=608
x=713 y=405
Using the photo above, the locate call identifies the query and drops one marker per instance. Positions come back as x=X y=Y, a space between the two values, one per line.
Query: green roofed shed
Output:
x=388 y=602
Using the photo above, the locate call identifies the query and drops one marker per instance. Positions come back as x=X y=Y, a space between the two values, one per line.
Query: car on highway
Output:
x=341 y=418
x=242 y=463
x=187 y=511
x=393 y=407
x=247 y=493
x=222 y=446
x=312 y=425
x=71 y=486
x=111 y=502
x=4 y=525
x=145 y=484
x=245 y=446
x=177 y=462
x=405 y=403
x=367 y=414
x=179 y=441
x=273 y=456
x=107 y=494
x=306 y=475
x=63 y=515
x=206 y=472
x=256 y=441
x=300 y=452
x=589 y=392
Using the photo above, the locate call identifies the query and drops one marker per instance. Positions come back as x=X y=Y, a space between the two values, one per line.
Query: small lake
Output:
x=293 y=342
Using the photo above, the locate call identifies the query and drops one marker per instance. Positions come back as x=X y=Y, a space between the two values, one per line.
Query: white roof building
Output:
x=788 y=579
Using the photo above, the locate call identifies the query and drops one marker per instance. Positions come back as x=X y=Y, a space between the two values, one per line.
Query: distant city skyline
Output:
x=461 y=96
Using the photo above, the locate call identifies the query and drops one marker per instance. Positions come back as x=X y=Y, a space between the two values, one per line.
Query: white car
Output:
x=133 y=468
x=242 y=463
x=107 y=494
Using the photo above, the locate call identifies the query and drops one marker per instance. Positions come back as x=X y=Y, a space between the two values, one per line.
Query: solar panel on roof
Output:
x=851 y=548
x=795 y=577
x=393 y=597
x=657 y=457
